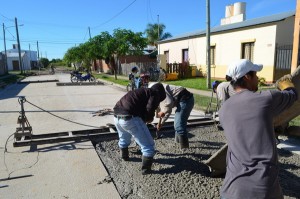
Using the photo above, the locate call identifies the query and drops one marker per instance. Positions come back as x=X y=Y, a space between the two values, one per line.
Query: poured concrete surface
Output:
x=182 y=173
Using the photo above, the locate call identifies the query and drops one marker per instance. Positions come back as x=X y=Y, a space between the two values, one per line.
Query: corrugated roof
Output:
x=246 y=23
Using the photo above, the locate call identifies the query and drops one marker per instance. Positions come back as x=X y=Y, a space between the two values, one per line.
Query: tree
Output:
x=108 y=47
x=121 y=42
x=152 y=33
x=45 y=62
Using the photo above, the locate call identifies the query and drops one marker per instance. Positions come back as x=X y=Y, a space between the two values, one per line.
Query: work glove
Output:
x=285 y=82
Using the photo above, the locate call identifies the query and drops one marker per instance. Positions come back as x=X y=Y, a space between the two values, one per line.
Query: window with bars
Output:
x=248 y=51
x=167 y=56
x=185 y=55
x=213 y=55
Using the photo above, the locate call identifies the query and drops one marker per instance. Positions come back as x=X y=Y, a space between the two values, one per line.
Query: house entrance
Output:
x=16 y=65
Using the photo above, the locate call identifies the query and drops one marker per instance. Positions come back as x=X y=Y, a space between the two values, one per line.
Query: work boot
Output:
x=176 y=138
x=124 y=154
x=146 y=165
x=184 y=142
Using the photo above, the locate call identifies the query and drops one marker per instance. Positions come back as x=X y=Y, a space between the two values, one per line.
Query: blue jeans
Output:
x=137 y=128
x=137 y=82
x=182 y=114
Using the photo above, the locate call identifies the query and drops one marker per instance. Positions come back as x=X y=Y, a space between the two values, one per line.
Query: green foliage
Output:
x=55 y=61
x=295 y=121
x=45 y=62
x=152 y=31
x=108 y=47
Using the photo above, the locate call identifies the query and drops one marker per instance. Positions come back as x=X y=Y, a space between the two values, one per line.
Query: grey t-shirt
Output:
x=224 y=91
x=252 y=162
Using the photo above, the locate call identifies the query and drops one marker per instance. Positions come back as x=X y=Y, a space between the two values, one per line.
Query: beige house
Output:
x=266 y=40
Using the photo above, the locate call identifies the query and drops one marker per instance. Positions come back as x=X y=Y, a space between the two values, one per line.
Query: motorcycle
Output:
x=76 y=76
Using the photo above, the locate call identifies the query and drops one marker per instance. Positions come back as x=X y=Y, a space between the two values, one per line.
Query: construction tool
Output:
x=158 y=135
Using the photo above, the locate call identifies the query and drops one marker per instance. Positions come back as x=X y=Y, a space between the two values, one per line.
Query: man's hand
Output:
x=158 y=126
x=161 y=114
x=285 y=82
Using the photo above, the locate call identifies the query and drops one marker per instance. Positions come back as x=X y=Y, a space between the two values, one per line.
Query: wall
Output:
x=228 y=49
x=285 y=31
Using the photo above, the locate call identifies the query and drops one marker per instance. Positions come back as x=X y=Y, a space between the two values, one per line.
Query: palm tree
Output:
x=152 y=33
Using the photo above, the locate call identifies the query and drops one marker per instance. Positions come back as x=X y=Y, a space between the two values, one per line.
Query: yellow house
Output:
x=266 y=40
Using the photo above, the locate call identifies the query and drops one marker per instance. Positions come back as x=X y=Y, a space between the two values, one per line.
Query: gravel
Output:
x=182 y=173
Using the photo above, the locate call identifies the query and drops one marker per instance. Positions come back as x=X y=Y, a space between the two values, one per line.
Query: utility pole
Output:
x=30 y=58
x=19 y=46
x=90 y=33
x=296 y=46
x=38 y=56
x=208 y=43
x=158 y=36
x=5 y=58
x=38 y=52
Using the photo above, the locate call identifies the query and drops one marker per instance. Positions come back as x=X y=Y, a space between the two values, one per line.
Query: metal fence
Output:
x=283 y=57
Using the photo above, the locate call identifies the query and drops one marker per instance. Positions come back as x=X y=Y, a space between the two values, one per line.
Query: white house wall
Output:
x=228 y=48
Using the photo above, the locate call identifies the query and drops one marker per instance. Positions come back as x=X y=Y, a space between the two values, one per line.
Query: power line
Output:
x=115 y=15
x=150 y=10
x=6 y=17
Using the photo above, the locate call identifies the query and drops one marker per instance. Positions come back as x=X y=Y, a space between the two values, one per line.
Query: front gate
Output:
x=283 y=60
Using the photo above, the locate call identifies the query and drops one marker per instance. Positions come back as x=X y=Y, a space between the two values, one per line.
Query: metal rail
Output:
x=38 y=81
x=102 y=134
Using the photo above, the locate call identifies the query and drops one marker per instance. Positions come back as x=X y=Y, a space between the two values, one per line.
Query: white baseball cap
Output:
x=241 y=67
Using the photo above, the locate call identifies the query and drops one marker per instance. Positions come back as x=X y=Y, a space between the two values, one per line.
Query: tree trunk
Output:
x=114 y=67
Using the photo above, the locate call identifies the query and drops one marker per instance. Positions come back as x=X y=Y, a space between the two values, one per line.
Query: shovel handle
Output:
x=157 y=131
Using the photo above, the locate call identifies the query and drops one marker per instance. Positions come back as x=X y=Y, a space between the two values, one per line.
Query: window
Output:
x=247 y=50
x=167 y=56
x=185 y=55
x=213 y=55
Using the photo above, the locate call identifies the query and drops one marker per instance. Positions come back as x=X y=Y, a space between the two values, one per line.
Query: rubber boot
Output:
x=124 y=154
x=184 y=141
x=146 y=165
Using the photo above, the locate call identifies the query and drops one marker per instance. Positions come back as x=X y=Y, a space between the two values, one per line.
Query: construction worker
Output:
x=247 y=119
x=131 y=113
x=223 y=90
x=183 y=100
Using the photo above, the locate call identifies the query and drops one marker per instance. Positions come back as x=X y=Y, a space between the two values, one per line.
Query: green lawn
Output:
x=196 y=83
x=120 y=81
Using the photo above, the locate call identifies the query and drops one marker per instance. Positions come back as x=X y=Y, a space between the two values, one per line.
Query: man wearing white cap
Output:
x=247 y=118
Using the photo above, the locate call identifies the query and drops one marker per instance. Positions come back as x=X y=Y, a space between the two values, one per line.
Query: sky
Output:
x=58 y=25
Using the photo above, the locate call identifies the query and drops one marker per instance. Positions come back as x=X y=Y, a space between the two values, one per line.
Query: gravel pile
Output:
x=182 y=173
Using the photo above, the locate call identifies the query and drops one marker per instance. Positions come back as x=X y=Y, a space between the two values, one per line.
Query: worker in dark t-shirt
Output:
x=131 y=113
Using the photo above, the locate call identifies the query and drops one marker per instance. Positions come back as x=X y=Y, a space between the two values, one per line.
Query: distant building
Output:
x=28 y=57
x=266 y=40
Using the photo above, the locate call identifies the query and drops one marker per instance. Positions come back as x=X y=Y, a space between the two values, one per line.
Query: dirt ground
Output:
x=182 y=174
